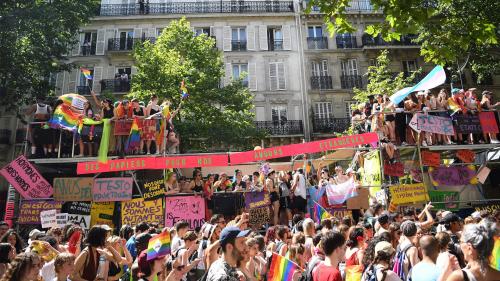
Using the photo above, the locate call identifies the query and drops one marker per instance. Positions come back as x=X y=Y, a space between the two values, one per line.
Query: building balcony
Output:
x=88 y=50
x=346 y=42
x=321 y=82
x=330 y=125
x=238 y=45
x=363 y=6
x=83 y=90
x=205 y=7
x=281 y=128
x=405 y=40
x=115 y=85
x=317 y=43
x=351 y=81
x=127 y=44
x=276 y=45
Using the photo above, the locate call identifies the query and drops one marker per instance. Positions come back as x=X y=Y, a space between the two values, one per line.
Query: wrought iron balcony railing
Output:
x=281 y=128
x=317 y=43
x=115 y=85
x=321 y=82
x=406 y=40
x=83 y=90
x=348 y=42
x=126 y=44
x=330 y=125
x=275 y=45
x=88 y=50
x=208 y=7
x=351 y=81
x=238 y=45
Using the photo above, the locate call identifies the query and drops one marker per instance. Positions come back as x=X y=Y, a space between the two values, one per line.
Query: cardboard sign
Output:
x=488 y=122
x=408 y=193
x=340 y=213
x=82 y=220
x=258 y=217
x=435 y=124
x=153 y=163
x=456 y=175
x=360 y=201
x=468 y=124
x=257 y=200
x=26 y=179
x=482 y=174
x=112 y=189
x=61 y=219
x=153 y=189
x=444 y=196
x=29 y=210
x=371 y=175
x=138 y=210
x=73 y=189
x=186 y=208
x=48 y=218
x=431 y=159
x=122 y=127
x=301 y=148
x=394 y=170
x=76 y=208
x=102 y=213
x=414 y=124
x=466 y=156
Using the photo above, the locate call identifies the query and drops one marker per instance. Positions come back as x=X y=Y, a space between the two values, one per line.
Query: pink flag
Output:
x=338 y=194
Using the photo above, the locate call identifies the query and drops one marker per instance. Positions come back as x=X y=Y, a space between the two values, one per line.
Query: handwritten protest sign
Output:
x=468 y=124
x=435 y=124
x=102 y=213
x=414 y=124
x=432 y=159
x=394 y=169
x=257 y=204
x=76 y=208
x=340 y=213
x=491 y=208
x=138 y=210
x=456 y=175
x=73 y=189
x=187 y=208
x=444 y=196
x=153 y=189
x=48 y=218
x=258 y=217
x=82 y=220
x=61 y=219
x=26 y=179
x=122 y=127
x=371 y=175
x=466 y=156
x=408 y=193
x=488 y=122
x=112 y=189
x=29 y=210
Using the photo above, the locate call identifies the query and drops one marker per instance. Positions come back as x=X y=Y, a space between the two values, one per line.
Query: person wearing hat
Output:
x=232 y=242
x=380 y=268
x=453 y=225
x=272 y=188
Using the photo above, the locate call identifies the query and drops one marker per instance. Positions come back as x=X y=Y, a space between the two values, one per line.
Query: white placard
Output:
x=78 y=103
x=82 y=220
x=48 y=218
x=61 y=219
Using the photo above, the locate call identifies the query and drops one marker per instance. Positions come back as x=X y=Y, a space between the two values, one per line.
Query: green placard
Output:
x=444 y=196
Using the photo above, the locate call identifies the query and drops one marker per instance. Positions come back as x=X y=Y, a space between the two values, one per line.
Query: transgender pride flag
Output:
x=338 y=194
x=435 y=78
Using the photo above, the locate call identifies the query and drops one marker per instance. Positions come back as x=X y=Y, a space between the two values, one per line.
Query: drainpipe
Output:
x=303 y=82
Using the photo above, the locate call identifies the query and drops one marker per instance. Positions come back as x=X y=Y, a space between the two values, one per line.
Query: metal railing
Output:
x=83 y=90
x=331 y=125
x=281 y=128
x=405 y=40
x=354 y=6
x=276 y=45
x=242 y=6
x=88 y=50
x=321 y=82
x=317 y=43
x=348 y=42
x=238 y=45
x=115 y=85
x=119 y=44
x=351 y=81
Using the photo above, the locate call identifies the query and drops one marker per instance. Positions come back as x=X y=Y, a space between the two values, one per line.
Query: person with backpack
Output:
x=407 y=252
x=187 y=254
x=379 y=269
x=283 y=238
x=333 y=245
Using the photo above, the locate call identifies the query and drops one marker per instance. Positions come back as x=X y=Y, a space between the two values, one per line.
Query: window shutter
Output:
x=110 y=34
x=263 y=37
x=77 y=46
x=100 y=45
x=324 y=67
x=96 y=84
x=133 y=71
x=73 y=77
x=227 y=78
x=315 y=68
x=226 y=35
x=260 y=113
x=252 y=76
x=287 y=40
x=59 y=83
x=111 y=72
x=273 y=79
x=251 y=38
x=281 y=76
x=137 y=32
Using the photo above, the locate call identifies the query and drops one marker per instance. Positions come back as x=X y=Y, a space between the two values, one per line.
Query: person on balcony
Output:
x=378 y=125
x=86 y=48
x=171 y=184
x=390 y=118
x=87 y=135
x=39 y=132
x=152 y=126
x=138 y=111
x=487 y=104
x=124 y=84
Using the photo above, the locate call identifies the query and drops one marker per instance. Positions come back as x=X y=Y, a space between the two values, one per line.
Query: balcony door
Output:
x=320 y=68
x=278 y=114
x=323 y=110
x=126 y=39
x=349 y=67
x=315 y=31
x=89 y=43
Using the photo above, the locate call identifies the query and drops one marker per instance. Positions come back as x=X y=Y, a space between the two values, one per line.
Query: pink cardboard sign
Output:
x=186 y=208
x=26 y=179
x=112 y=189
x=435 y=124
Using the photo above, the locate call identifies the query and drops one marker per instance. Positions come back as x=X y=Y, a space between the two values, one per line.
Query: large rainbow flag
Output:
x=281 y=269
x=134 y=137
x=65 y=118
x=495 y=254
x=159 y=246
x=320 y=213
x=86 y=73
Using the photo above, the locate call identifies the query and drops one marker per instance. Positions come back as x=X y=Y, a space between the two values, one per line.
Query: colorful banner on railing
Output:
x=301 y=148
x=408 y=193
x=435 y=124
x=152 y=163
x=442 y=197
x=456 y=175
x=187 y=208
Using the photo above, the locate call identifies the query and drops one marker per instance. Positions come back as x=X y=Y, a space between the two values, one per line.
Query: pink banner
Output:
x=186 y=208
x=435 y=124
x=301 y=148
x=26 y=179
x=488 y=122
x=112 y=189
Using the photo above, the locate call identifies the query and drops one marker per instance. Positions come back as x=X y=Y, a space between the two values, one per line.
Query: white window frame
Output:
x=281 y=111
x=323 y=110
x=82 y=81
x=279 y=75
x=320 y=68
x=201 y=30
x=239 y=31
x=349 y=67
x=315 y=33
x=241 y=69
x=348 y=108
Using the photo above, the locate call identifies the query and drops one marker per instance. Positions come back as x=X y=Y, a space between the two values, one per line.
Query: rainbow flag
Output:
x=159 y=246
x=320 y=213
x=495 y=254
x=134 y=137
x=184 y=91
x=64 y=118
x=453 y=107
x=281 y=269
x=86 y=73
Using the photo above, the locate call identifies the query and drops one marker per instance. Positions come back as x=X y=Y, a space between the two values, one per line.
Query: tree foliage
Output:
x=34 y=36
x=450 y=31
x=211 y=116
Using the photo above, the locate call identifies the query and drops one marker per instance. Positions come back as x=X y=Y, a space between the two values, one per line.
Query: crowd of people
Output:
x=380 y=246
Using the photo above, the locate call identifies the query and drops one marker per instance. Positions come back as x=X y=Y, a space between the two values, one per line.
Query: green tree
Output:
x=450 y=31
x=212 y=117
x=34 y=36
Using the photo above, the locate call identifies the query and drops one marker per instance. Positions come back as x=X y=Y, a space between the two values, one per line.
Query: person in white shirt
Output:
x=181 y=227
x=299 y=191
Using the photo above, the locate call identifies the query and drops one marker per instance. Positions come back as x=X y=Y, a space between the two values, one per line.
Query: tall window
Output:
x=349 y=67
x=277 y=76
x=83 y=81
x=239 y=34
x=275 y=36
x=315 y=31
x=126 y=39
x=89 y=43
x=348 y=108
x=278 y=113
x=320 y=68
x=409 y=66
x=323 y=110
x=240 y=69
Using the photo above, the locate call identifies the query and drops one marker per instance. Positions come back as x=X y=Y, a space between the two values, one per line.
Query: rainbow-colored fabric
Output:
x=134 y=137
x=86 y=73
x=159 y=246
x=320 y=213
x=495 y=254
x=184 y=91
x=65 y=118
x=282 y=269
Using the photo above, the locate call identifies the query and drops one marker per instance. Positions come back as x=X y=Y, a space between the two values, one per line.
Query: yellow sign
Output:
x=138 y=210
x=371 y=175
x=102 y=213
x=408 y=193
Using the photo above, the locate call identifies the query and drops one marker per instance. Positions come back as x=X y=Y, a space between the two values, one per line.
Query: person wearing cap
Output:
x=383 y=223
x=232 y=241
x=272 y=188
x=487 y=104
x=453 y=225
x=381 y=265
x=149 y=269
